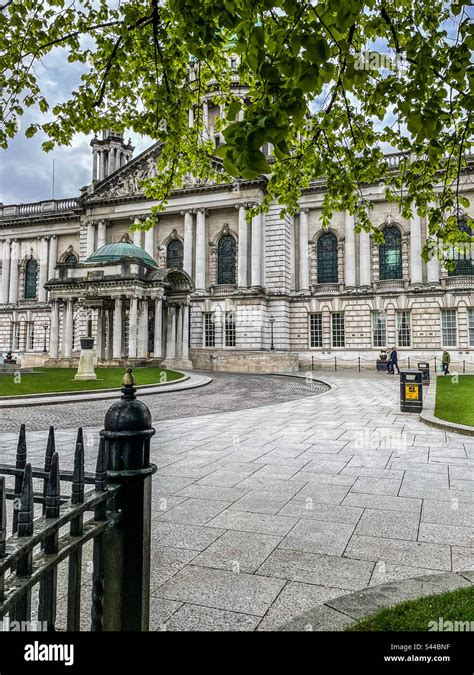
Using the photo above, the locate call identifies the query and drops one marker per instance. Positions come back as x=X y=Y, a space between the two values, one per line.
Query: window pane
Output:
x=338 y=338
x=471 y=327
x=379 y=329
x=462 y=254
x=30 y=279
x=316 y=330
x=229 y=329
x=390 y=254
x=449 y=328
x=327 y=259
x=209 y=330
x=226 y=250
x=404 y=328
x=174 y=254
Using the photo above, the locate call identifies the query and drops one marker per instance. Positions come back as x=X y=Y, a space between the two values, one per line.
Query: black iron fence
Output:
x=111 y=508
x=340 y=362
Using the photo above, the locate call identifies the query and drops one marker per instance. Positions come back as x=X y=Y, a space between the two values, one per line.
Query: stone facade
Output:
x=259 y=284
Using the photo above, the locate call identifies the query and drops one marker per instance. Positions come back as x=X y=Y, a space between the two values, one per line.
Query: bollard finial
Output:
x=128 y=389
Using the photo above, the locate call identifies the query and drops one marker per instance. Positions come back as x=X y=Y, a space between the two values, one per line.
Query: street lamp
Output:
x=45 y=328
x=272 y=321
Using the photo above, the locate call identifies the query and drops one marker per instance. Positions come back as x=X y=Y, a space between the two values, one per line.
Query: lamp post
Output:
x=272 y=321
x=45 y=328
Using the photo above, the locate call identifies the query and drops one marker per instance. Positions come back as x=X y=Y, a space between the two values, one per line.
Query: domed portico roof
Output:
x=120 y=251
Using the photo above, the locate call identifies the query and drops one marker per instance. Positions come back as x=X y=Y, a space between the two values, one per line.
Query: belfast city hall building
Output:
x=207 y=288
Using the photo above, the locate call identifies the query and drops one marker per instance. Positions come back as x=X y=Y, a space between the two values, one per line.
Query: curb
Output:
x=345 y=610
x=428 y=417
x=192 y=382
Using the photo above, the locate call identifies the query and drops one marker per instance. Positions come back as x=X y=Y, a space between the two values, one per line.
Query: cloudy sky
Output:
x=26 y=172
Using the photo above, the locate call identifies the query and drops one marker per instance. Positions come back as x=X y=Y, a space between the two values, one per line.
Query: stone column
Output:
x=54 y=331
x=137 y=234
x=205 y=120
x=43 y=270
x=142 y=351
x=102 y=166
x=13 y=294
x=117 y=329
x=257 y=255
x=349 y=251
x=90 y=244
x=100 y=334
x=6 y=272
x=185 y=332
x=101 y=233
x=303 y=251
x=201 y=250
x=132 y=328
x=188 y=243
x=365 y=259
x=150 y=242
x=53 y=255
x=171 y=333
x=157 y=345
x=94 y=165
x=416 y=269
x=179 y=330
x=242 y=267
x=191 y=118
x=68 y=327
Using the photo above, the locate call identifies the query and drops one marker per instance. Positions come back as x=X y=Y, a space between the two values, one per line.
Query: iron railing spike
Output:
x=80 y=437
x=21 y=449
x=101 y=467
x=3 y=516
x=77 y=492
x=25 y=514
x=53 y=500
x=50 y=449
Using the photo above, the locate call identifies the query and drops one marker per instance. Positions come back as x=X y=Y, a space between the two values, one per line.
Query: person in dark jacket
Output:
x=393 y=362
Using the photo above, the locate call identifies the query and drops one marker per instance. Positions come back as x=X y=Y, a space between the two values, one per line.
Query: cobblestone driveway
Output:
x=259 y=515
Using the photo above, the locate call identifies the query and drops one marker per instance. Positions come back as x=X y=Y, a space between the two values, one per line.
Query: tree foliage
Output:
x=319 y=89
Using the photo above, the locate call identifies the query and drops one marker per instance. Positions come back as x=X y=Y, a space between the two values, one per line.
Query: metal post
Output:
x=436 y=368
x=359 y=362
x=312 y=362
x=126 y=434
x=335 y=363
x=463 y=366
x=408 y=363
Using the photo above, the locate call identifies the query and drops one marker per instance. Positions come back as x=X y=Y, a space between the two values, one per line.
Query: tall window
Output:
x=327 y=259
x=404 y=328
x=30 y=278
x=316 y=329
x=390 y=254
x=379 y=329
x=16 y=336
x=462 y=253
x=471 y=328
x=337 y=326
x=229 y=332
x=209 y=329
x=449 y=329
x=30 y=339
x=70 y=259
x=226 y=252
x=174 y=254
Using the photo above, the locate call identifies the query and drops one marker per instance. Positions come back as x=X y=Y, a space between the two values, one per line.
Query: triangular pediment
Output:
x=127 y=181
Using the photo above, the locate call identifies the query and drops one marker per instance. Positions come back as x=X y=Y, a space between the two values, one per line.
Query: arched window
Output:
x=226 y=251
x=327 y=259
x=30 y=278
x=174 y=254
x=70 y=259
x=461 y=254
x=390 y=254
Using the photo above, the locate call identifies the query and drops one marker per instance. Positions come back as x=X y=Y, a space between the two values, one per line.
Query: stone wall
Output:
x=244 y=361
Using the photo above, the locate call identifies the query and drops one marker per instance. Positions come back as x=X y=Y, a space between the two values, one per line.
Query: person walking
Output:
x=394 y=361
x=446 y=360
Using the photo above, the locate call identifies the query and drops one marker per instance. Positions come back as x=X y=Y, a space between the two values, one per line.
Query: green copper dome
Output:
x=120 y=251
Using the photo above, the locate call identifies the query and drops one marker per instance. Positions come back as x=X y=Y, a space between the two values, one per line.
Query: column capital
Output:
x=203 y=210
x=304 y=209
x=183 y=212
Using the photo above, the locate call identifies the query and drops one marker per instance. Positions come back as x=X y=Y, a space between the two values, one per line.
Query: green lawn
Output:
x=455 y=400
x=45 y=380
x=415 y=615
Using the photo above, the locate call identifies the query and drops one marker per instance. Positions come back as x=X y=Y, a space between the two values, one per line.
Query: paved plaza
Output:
x=264 y=513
